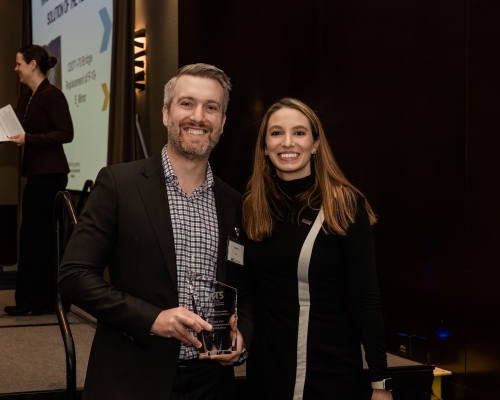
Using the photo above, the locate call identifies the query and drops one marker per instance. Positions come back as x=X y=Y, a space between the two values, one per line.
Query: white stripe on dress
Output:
x=303 y=278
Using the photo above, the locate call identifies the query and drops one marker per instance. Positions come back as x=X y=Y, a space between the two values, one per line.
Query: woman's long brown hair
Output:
x=331 y=187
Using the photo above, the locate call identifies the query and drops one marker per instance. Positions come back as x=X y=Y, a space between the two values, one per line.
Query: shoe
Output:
x=16 y=311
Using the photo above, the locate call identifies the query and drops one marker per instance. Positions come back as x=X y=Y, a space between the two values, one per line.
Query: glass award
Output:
x=217 y=306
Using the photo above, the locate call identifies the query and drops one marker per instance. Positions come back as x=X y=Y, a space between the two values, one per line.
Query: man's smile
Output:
x=195 y=131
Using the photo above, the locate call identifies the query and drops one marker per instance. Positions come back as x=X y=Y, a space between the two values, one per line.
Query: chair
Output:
x=87 y=187
x=65 y=220
x=79 y=197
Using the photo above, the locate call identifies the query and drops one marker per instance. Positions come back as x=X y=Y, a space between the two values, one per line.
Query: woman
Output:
x=44 y=115
x=310 y=239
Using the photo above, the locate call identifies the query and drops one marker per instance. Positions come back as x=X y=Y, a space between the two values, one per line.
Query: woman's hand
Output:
x=18 y=139
x=379 y=394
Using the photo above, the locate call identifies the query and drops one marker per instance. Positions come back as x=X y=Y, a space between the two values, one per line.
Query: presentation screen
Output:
x=78 y=33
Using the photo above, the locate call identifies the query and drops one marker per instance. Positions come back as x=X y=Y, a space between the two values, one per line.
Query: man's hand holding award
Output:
x=219 y=307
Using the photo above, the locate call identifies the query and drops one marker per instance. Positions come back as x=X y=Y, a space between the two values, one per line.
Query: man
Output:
x=155 y=223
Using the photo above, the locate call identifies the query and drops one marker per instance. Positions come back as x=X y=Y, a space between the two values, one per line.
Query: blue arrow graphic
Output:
x=106 y=21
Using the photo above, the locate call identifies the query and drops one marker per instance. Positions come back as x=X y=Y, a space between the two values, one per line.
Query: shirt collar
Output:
x=171 y=178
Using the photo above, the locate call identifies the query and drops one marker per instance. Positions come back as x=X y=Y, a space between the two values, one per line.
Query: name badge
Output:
x=235 y=251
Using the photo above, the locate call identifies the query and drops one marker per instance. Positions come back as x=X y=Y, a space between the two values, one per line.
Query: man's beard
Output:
x=176 y=140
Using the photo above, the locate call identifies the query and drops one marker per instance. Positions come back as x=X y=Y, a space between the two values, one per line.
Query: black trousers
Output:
x=35 y=285
x=203 y=380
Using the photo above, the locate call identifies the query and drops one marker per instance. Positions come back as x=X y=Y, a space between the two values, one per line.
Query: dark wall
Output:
x=482 y=216
x=11 y=14
x=409 y=95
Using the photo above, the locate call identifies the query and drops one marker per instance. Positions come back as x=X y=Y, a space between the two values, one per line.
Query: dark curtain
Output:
x=26 y=36
x=122 y=145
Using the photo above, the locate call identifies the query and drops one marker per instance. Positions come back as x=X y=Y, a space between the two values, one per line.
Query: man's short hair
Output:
x=203 y=71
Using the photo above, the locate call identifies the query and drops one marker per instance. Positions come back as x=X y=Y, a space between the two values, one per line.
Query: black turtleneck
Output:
x=294 y=187
x=289 y=203
x=337 y=262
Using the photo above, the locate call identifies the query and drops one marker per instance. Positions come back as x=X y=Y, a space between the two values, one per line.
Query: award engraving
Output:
x=218 y=307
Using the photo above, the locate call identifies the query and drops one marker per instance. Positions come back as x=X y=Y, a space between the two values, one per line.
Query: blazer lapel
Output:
x=154 y=197
x=226 y=218
x=33 y=104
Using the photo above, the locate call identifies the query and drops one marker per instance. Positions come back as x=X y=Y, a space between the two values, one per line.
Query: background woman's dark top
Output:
x=334 y=363
x=48 y=125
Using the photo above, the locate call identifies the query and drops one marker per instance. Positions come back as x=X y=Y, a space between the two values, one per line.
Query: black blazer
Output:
x=47 y=125
x=126 y=226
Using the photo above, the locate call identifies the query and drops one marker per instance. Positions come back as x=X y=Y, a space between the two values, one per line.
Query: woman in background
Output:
x=310 y=240
x=44 y=114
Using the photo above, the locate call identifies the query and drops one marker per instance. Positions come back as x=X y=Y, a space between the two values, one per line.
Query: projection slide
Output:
x=78 y=33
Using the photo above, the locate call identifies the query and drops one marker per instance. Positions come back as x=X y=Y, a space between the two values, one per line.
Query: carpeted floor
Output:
x=32 y=356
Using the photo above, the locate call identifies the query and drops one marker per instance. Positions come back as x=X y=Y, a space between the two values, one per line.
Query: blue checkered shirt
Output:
x=196 y=238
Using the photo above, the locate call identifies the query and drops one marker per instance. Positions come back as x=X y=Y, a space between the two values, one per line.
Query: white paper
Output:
x=9 y=124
